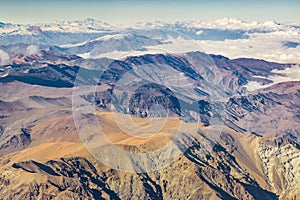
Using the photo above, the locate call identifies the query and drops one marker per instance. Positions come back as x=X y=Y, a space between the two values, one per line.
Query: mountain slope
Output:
x=43 y=156
x=237 y=167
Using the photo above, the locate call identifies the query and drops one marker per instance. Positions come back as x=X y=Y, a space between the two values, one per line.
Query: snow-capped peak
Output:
x=117 y=36
x=88 y=25
x=91 y=25
x=2 y=24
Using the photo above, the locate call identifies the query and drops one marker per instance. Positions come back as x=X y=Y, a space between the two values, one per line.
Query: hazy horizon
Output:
x=132 y=11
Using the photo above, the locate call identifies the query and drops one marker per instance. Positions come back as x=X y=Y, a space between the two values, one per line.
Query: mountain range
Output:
x=233 y=120
x=230 y=37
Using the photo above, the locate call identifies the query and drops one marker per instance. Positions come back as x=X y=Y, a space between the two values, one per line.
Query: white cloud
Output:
x=32 y=50
x=260 y=46
x=4 y=57
x=267 y=46
x=286 y=75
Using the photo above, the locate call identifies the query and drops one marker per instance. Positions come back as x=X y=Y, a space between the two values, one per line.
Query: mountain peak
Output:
x=2 y=24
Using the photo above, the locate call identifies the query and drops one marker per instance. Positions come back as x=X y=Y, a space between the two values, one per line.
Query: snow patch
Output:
x=103 y=38
x=85 y=55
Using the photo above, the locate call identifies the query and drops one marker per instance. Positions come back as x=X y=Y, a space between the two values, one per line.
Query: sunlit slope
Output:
x=236 y=166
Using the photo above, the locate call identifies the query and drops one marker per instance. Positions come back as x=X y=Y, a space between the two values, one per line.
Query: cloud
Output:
x=4 y=57
x=286 y=75
x=264 y=45
x=32 y=50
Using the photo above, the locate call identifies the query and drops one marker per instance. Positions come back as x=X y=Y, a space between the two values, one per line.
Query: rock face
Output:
x=265 y=112
x=217 y=174
x=280 y=160
x=16 y=142
x=1 y=130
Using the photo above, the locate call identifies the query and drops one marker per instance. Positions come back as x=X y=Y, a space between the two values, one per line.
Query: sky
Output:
x=132 y=11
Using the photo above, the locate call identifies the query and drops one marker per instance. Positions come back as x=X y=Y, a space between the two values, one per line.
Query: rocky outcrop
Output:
x=280 y=163
x=16 y=142
x=268 y=113
x=206 y=170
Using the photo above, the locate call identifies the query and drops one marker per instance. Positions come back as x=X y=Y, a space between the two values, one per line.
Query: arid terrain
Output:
x=234 y=122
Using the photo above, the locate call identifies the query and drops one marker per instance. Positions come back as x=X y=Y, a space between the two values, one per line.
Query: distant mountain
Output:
x=87 y=26
x=110 y=43
x=91 y=25
x=2 y=25
x=219 y=36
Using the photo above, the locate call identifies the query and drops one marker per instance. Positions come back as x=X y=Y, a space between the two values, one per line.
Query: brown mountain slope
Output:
x=238 y=166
